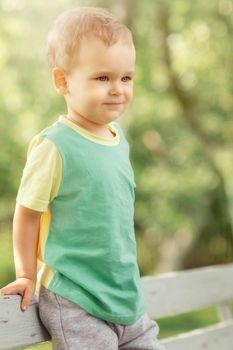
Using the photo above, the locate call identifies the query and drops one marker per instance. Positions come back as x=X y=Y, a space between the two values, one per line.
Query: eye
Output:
x=126 y=79
x=103 y=78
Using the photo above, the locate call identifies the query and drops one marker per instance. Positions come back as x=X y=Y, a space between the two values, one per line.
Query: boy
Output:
x=74 y=211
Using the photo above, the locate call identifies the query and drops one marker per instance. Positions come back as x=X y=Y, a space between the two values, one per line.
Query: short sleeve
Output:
x=41 y=175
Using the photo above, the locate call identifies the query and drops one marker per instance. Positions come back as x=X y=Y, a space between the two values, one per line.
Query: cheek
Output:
x=129 y=95
x=96 y=96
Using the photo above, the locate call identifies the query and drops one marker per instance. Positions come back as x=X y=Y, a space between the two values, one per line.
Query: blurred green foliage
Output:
x=179 y=126
x=6 y=258
x=171 y=326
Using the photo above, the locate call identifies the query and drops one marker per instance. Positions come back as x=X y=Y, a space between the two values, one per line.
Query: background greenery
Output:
x=179 y=126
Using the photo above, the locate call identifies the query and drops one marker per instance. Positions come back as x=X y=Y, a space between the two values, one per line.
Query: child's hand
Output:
x=23 y=286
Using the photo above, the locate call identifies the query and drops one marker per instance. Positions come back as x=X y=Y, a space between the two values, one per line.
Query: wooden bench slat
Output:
x=184 y=291
x=168 y=294
x=219 y=337
x=19 y=329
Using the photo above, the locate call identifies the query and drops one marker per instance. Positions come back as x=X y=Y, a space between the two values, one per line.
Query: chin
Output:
x=112 y=119
x=114 y=115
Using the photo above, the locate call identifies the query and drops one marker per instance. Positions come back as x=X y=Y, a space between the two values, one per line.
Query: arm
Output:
x=39 y=185
x=26 y=225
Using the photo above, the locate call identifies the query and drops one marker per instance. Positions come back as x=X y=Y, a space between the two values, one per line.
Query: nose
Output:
x=115 y=89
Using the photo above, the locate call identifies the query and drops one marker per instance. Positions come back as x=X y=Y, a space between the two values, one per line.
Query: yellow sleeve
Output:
x=41 y=175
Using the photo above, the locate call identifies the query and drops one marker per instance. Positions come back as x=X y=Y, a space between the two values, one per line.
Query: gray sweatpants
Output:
x=72 y=328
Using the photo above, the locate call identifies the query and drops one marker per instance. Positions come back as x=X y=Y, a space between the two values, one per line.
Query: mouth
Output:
x=113 y=103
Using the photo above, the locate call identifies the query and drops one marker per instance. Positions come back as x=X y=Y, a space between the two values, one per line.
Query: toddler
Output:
x=75 y=205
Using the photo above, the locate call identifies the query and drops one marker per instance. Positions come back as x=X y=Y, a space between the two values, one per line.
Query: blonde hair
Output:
x=74 y=25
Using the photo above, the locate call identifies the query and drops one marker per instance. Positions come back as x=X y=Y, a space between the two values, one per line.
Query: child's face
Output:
x=101 y=86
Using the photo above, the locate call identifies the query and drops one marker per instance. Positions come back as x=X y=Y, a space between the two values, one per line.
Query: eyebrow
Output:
x=109 y=73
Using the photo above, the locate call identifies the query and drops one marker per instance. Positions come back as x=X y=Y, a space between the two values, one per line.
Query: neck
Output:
x=100 y=130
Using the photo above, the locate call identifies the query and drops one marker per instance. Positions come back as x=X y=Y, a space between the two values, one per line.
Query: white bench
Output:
x=167 y=294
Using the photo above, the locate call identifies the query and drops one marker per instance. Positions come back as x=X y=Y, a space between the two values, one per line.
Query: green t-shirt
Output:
x=91 y=242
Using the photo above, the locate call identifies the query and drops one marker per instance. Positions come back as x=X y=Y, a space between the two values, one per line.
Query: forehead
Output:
x=93 y=54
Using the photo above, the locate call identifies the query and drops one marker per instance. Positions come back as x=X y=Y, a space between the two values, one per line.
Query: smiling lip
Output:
x=113 y=103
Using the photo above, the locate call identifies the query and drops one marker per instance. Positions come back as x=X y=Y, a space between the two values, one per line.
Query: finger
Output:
x=11 y=290
x=26 y=299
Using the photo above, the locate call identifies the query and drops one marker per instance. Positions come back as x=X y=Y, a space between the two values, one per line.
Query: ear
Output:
x=60 y=81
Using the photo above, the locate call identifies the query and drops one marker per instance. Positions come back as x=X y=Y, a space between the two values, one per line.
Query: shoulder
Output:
x=56 y=129
x=40 y=145
x=42 y=153
x=47 y=141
